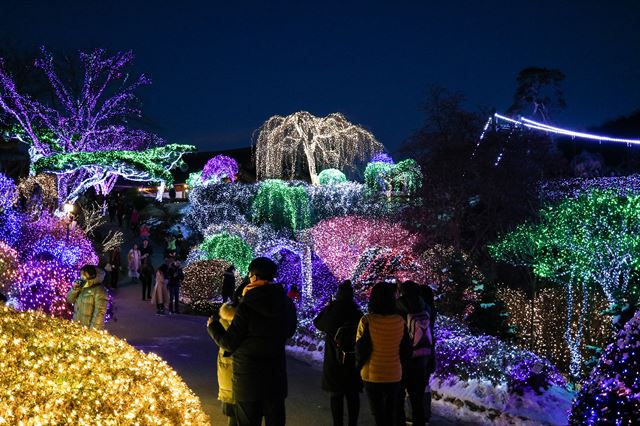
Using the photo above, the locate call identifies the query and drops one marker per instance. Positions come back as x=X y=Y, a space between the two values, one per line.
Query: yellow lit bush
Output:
x=56 y=372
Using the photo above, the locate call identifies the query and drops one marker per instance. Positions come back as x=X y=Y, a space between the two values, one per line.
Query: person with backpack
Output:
x=382 y=342
x=415 y=377
x=340 y=377
x=427 y=296
x=265 y=318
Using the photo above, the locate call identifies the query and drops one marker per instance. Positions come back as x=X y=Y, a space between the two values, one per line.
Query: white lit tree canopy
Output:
x=285 y=146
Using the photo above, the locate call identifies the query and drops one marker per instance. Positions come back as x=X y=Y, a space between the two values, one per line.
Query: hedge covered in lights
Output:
x=611 y=393
x=58 y=372
x=228 y=247
x=203 y=280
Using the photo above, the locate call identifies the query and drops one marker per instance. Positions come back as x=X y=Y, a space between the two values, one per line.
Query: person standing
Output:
x=427 y=296
x=381 y=342
x=89 y=298
x=228 y=284
x=176 y=276
x=120 y=211
x=264 y=320
x=225 y=368
x=134 y=262
x=413 y=310
x=340 y=377
x=160 y=295
x=146 y=251
x=115 y=262
x=146 y=278
x=112 y=207
x=135 y=219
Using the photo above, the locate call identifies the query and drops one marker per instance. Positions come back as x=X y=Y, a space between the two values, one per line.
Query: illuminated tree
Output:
x=593 y=240
x=405 y=177
x=285 y=146
x=102 y=168
x=282 y=205
x=92 y=118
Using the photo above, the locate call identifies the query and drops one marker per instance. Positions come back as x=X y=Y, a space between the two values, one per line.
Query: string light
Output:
x=403 y=177
x=220 y=167
x=611 y=393
x=228 y=247
x=325 y=142
x=282 y=205
x=203 y=280
x=150 y=165
x=58 y=372
x=331 y=177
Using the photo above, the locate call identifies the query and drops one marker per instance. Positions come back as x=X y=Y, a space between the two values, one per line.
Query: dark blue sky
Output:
x=220 y=69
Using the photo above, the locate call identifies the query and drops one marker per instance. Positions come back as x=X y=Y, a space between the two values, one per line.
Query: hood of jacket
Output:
x=268 y=300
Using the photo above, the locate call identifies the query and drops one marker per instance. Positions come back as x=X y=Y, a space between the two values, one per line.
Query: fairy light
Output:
x=340 y=241
x=8 y=266
x=203 y=280
x=525 y=122
x=49 y=365
x=228 y=247
x=282 y=205
x=405 y=176
x=331 y=177
x=544 y=337
x=220 y=167
x=611 y=393
x=324 y=142
x=95 y=168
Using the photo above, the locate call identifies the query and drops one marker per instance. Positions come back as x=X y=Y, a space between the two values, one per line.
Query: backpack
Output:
x=345 y=341
x=419 y=328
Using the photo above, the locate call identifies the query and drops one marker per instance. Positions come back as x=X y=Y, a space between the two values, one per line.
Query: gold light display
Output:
x=56 y=372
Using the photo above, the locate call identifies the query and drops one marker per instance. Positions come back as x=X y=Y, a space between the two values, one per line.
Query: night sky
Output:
x=220 y=69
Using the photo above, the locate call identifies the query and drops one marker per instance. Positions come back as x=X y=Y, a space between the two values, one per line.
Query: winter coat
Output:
x=134 y=263
x=338 y=377
x=264 y=320
x=388 y=338
x=160 y=291
x=89 y=300
x=225 y=361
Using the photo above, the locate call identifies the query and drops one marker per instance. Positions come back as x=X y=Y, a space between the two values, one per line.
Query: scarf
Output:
x=255 y=284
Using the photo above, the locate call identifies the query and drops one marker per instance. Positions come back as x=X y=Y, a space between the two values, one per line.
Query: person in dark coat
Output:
x=265 y=318
x=115 y=261
x=228 y=284
x=176 y=276
x=415 y=374
x=146 y=278
x=340 y=376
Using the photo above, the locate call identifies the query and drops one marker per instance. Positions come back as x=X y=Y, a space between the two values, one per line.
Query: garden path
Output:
x=182 y=341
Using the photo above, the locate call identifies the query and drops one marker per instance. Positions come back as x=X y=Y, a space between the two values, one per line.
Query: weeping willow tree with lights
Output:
x=584 y=244
x=282 y=205
x=302 y=144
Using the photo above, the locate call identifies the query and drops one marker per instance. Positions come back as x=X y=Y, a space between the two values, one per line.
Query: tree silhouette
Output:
x=540 y=89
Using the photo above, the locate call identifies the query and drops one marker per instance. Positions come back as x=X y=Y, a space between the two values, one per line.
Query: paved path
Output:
x=182 y=341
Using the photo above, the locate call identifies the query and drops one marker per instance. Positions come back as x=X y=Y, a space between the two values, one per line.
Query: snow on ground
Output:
x=482 y=402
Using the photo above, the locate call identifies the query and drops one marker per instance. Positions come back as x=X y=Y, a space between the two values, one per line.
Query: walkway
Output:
x=182 y=341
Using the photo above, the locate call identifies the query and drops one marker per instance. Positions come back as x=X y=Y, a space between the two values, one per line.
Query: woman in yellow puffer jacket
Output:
x=381 y=342
x=225 y=368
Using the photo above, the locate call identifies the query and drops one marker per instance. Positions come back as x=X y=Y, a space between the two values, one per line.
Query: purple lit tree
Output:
x=91 y=118
x=220 y=167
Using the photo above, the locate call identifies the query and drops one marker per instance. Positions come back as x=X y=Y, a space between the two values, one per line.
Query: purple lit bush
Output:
x=611 y=394
x=8 y=192
x=220 y=167
x=464 y=356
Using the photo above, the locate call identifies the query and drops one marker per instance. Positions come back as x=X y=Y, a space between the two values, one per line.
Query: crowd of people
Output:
x=388 y=352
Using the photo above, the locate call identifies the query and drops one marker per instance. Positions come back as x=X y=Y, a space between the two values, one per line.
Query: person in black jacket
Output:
x=415 y=370
x=340 y=377
x=265 y=318
x=228 y=284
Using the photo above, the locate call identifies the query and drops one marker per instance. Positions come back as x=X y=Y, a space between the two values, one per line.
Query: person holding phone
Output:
x=89 y=298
